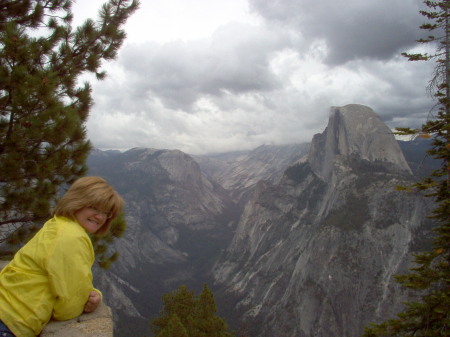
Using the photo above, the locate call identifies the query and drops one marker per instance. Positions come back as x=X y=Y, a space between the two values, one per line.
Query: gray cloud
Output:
x=235 y=59
x=267 y=83
x=352 y=29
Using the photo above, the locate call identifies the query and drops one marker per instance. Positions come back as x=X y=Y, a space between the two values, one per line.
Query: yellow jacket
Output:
x=49 y=277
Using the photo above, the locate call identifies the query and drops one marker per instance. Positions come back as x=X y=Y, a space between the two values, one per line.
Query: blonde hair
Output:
x=90 y=192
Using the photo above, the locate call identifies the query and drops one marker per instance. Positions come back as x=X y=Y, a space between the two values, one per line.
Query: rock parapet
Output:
x=96 y=324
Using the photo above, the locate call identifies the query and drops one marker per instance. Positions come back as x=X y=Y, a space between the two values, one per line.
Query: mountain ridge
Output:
x=280 y=235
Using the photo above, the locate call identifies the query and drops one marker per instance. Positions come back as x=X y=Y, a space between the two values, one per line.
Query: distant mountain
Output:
x=314 y=255
x=239 y=172
x=295 y=240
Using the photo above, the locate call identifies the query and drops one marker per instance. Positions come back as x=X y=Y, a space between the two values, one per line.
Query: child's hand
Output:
x=93 y=301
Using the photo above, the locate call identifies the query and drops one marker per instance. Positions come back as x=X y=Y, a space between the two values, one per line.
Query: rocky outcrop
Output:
x=315 y=254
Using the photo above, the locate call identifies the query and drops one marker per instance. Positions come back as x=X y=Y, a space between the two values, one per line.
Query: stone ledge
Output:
x=96 y=324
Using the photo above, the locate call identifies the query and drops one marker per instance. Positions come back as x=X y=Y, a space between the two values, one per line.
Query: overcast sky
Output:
x=207 y=76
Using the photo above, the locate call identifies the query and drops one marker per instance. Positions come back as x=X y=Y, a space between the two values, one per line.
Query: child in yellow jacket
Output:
x=50 y=277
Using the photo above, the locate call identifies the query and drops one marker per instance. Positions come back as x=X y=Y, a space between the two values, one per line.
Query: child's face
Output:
x=91 y=219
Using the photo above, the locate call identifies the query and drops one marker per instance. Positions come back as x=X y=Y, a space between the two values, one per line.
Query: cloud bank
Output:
x=269 y=77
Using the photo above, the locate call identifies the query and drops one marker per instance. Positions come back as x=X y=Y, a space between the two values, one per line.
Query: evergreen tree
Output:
x=174 y=328
x=178 y=303
x=206 y=322
x=102 y=245
x=187 y=313
x=43 y=109
x=430 y=278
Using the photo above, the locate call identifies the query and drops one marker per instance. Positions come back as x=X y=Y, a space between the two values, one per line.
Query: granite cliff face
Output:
x=314 y=255
x=355 y=131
